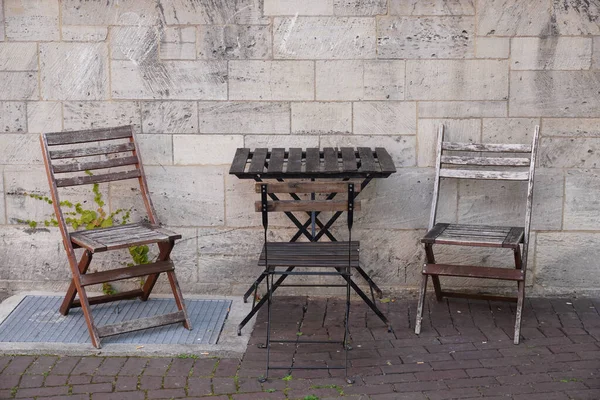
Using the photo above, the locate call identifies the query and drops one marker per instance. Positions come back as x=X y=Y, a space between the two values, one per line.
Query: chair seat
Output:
x=310 y=254
x=475 y=235
x=121 y=236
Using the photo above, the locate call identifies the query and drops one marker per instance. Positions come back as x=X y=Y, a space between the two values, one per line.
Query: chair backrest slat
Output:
x=92 y=151
x=93 y=135
x=494 y=175
x=306 y=205
x=306 y=187
x=93 y=165
x=486 y=161
x=487 y=147
x=88 y=179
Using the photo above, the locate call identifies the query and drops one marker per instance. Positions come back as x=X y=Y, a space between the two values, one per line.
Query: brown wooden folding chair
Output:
x=67 y=157
x=502 y=165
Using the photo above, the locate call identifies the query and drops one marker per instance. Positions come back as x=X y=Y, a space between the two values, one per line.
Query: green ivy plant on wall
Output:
x=78 y=217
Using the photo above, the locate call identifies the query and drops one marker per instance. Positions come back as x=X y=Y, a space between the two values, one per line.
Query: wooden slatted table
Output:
x=343 y=163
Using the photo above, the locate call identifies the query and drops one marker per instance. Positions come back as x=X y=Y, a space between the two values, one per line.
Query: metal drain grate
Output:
x=36 y=319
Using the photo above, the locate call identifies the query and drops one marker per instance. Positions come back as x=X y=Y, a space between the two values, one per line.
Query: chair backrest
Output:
x=486 y=161
x=69 y=157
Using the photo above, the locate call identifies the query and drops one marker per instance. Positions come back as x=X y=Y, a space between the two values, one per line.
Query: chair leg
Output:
x=346 y=332
x=421 y=304
x=434 y=278
x=83 y=265
x=269 y=279
x=163 y=255
x=87 y=313
x=520 y=300
x=179 y=298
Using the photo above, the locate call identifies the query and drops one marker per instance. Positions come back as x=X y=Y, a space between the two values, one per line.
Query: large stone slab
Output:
x=287 y=141
x=384 y=80
x=432 y=7
x=555 y=53
x=324 y=38
x=244 y=117
x=567 y=261
x=332 y=84
x=455 y=130
x=44 y=116
x=100 y=114
x=571 y=127
x=401 y=148
x=570 y=152
x=234 y=42
x=360 y=7
x=178 y=43
x=425 y=37
x=554 y=93
x=181 y=80
x=2 y=205
x=74 y=71
x=205 y=149
x=211 y=12
x=20 y=149
x=170 y=117
x=508 y=130
x=577 y=17
x=462 y=109
x=12 y=117
x=596 y=53
x=18 y=57
x=457 y=80
x=30 y=21
x=582 y=200
x=19 y=86
x=84 y=33
x=515 y=18
x=155 y=149
x=111 y=12
x=2 y=23
x=271 y=80
x=385 y=118
x=321 y=118
x=138 y=43
x=492 y=47
x=293 y=7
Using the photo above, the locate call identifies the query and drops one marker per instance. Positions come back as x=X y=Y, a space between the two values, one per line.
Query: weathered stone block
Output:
x=182 y=195
x=287 y=141
x=26 y=20
x=457 y=80
x=455 y=130
x=178 y=43
x=83 y=79
x=321 y=118
x=434 y=7
x=577 y=17
x=508 y=130
x=503 y=203
x=570 y=152
x=251 y=12
x=403 y=201
x=44 y=116
x=571 y=127
x=271 y=80
x=138 y=43
x=554 y=93
x=184 y=80
x=84 y=33
x=113 y=12
x=492 y=47
x=12 y=117
x=385 y=118
x=2 y=205
x=384 y=80
x=360 y=7
x=156 y=149
x=462 y=109
x=234 y=42
x=425 y=37
x=169 y=117
x=1 y=23
x=18 y=57
x=324 y=38
x=19 y=86
x=582 y=200
x=229 y=241
x=205 y=149
x=293 y=7
x=332 y=84
x=401 y=148
x=563 y=264
x=515 y=18
x=244 y=117
x=555 y=53
x=204 y=12
x=596 y=53
x=20 y=149
x=217 y=269
x=88 y=115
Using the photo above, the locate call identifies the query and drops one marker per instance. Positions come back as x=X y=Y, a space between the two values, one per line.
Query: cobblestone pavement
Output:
x=465 y=351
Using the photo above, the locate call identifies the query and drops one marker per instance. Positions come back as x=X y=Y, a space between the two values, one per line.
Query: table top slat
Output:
x=238 y=166
x=331 y=160
x=294 y=163
x=313 y=160
x=259 y=158
x=385 y=160
x=349 y=159
x=367 y=160
x=276 y=161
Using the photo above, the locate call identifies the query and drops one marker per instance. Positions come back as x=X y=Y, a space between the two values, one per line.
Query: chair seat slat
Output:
x=86 y=136
x=311 y=254
x=487 y=147
x=470 y=271
x=257 y=165
x=87 y=179
x=141 y=323
x=294 y=163
x=119 y=274
x=276 y=160
x=92 y=151
x=486 y=161
x=473 y=235
x=330 y=156
x=313 y=160
x=493 y=175
x=349 y=159
x=93 y=165
x=367 y=160
x=240 y=159
x=385 y=161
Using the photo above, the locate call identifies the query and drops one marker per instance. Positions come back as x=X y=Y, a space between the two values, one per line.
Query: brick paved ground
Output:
x=465 y=351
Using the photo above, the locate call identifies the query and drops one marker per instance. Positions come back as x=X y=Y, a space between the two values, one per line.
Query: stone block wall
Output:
x=200 y=78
